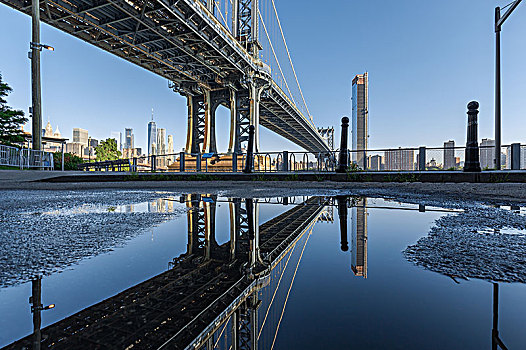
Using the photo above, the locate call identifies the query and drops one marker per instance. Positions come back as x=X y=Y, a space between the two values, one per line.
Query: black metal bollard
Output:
x=515 y=156
x=422 y=159
x=234 y=162
x=343 y=164
x=249 y=163
x=472 y=161
x=182 y=159
x=342 y=215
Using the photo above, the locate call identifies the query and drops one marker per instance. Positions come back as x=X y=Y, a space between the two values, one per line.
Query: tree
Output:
x=10 y=120
x=107 y=150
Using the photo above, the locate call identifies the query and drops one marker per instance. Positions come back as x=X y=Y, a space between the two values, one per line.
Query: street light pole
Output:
x=499 y=20
x=35 y=77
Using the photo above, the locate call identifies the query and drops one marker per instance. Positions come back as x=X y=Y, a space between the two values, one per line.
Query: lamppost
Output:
x=34 y=55
x=499 y=20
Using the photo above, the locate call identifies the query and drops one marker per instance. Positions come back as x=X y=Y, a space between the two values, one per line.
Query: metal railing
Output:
x=389 y=159
x=25 y=158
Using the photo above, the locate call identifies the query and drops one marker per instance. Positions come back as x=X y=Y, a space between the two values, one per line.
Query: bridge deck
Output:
x=188 y=296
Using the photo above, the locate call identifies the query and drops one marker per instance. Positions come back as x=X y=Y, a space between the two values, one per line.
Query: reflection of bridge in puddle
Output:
x=208 y=287
x=229 y=296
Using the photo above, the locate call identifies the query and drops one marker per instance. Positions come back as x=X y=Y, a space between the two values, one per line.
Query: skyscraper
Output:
x=128 y=138
x=449 y=155
x=161 y=141
x=80 y=136
x=152 y=135
x=360 y=116
x=170 y=149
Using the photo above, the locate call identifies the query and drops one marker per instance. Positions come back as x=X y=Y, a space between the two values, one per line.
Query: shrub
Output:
x=71 y=161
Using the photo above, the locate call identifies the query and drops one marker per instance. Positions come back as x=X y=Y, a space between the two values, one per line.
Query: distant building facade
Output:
x=75 y=148
x=376 y=163
x=487 y=154
x=359 y=119
x=400 y=159
x=170 y=149
x=449 y=155
x=128 y=138
x=80 y=136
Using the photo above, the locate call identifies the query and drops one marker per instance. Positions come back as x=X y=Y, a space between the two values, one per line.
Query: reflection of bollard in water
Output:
x=342 y=214
x=249 y=164
x=472 y=163
x=343 y=165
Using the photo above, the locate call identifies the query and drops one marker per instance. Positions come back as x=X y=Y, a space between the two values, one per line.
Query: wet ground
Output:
x=410 y=272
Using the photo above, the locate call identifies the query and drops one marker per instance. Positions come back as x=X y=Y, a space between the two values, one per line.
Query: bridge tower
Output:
x=244 y=229
x=242 y=96
x=201 y=225
x=245 y=324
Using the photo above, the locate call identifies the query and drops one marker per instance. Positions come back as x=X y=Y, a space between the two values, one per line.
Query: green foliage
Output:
x=10 y=120
x=71 y=161
x=107 y=150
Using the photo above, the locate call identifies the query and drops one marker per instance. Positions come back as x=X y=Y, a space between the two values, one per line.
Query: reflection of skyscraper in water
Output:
x=359 y=238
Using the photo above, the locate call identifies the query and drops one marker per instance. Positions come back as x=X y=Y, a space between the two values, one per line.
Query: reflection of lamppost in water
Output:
x=495 y=340
x=36 y=308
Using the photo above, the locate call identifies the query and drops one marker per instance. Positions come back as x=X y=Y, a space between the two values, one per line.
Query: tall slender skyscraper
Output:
x=360 y=116
x=152 y=135
x=128 y=138
x=161 y=141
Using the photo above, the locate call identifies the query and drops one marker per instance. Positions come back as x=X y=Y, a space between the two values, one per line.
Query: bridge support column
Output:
x=200 y=135
x=255 y=99
x=240 y=120
x=253 y=230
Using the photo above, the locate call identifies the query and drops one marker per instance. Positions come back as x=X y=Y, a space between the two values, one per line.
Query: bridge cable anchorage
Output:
x=274 y=52
x=275 y=291
x=290 y=60
x=291 y=284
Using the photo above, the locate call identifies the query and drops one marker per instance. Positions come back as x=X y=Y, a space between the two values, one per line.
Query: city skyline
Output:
x=397 y=79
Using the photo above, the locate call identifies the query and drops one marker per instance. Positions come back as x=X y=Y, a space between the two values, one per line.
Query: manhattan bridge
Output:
x=214 y=52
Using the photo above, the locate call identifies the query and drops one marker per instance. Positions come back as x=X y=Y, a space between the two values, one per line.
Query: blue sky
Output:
x=426 y=60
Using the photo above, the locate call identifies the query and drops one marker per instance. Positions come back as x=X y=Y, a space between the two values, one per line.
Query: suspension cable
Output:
x=220 y=13
x=275 y=291
x=291 y=283
x=290 y=59
x=274 y=52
